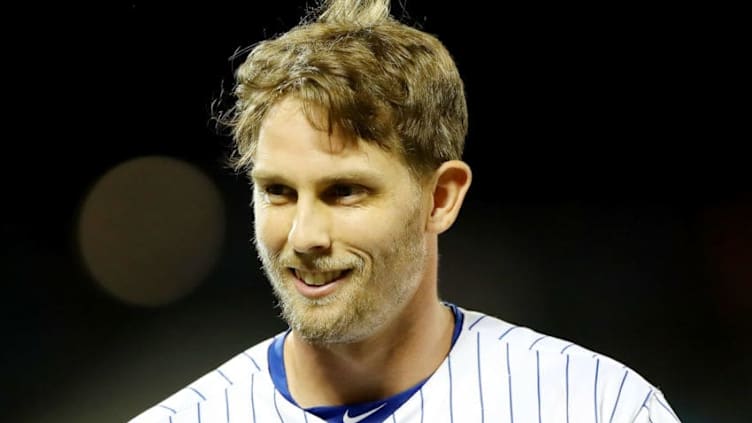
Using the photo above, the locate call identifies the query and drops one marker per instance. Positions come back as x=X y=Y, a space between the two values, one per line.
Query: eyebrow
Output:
x=370 y=178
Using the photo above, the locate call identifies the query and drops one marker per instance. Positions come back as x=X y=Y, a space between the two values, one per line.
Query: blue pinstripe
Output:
x=646 y=398
x=199 y=393
x=537 y=370
x=224 y=376
x=198 y=411
x=253 y=406
x=565 y=348
x=509 y=374
x=421 y=405
x=618 y=396
x=274 y=398
x=480 y=380
x=476 y=322
x=173 y=411
x=451 y=405
x=595 y=389
x=227 y=406
x=567 y=386
x=507 y=331
x=252 y=360
x=535 y=342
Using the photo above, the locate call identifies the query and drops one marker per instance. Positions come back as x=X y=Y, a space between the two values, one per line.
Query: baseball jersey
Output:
x=494 y=372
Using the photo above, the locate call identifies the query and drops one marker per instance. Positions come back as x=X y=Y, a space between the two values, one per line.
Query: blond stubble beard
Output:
x=367 y=300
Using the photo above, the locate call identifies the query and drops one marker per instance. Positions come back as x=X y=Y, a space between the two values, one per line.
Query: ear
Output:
x=450 y=184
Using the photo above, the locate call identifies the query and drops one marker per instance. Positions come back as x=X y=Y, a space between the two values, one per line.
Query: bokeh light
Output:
x=151 y=229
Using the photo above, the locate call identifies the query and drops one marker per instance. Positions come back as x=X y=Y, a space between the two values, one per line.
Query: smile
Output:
x=319 y=278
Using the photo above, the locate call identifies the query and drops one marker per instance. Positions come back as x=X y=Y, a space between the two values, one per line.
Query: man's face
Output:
x=339 y=228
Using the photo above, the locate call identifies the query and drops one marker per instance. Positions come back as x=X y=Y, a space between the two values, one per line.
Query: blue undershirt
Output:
x=377 y=410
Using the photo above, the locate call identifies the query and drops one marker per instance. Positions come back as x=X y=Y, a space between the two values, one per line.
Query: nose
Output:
x=309 y=233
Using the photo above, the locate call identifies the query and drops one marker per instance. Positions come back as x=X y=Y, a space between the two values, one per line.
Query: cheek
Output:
x=374 y=230
x=271 y=228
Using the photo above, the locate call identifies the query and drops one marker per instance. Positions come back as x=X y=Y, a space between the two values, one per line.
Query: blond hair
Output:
x=378 y=79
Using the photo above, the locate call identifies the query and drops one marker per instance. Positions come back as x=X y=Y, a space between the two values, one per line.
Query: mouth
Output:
x=318 y=279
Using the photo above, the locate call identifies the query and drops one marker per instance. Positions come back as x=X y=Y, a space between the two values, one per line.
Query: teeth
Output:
x=318 y=278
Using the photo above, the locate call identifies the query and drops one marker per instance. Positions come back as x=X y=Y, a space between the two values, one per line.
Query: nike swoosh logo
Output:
x=355 y=419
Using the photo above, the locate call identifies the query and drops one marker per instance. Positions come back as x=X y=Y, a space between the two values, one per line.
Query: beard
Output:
x=374 y=291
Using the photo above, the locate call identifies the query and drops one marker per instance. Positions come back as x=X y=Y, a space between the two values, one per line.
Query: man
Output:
x=352 y=127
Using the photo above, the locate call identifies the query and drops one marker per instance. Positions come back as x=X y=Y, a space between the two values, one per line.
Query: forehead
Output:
x=289 y=143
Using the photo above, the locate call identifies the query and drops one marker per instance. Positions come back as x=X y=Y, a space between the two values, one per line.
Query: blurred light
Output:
x=728 y=243
x=151 y=229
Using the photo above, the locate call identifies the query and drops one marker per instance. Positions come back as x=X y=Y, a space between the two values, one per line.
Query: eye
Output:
x=346 y=193
x=277 y=193
x=276 y=189
x=342 y=190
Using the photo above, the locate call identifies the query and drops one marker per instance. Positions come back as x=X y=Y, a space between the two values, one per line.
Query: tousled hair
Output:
x=375 y=78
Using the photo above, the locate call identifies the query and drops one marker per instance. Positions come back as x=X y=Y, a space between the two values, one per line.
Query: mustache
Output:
x=316 y=263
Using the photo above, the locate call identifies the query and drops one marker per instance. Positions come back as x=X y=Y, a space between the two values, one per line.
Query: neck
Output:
x=403 y=353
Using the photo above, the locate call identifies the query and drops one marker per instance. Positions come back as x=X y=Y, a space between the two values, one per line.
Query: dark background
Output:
x=611 y=204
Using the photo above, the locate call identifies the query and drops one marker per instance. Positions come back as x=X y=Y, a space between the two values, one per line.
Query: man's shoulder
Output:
x=520 y=337
x=560 y=376
x=543 y=349
x=237 y=371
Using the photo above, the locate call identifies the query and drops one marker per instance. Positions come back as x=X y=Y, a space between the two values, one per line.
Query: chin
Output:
x=331 y=324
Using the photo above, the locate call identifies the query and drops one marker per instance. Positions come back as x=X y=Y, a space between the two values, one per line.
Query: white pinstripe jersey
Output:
x=495 y=372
